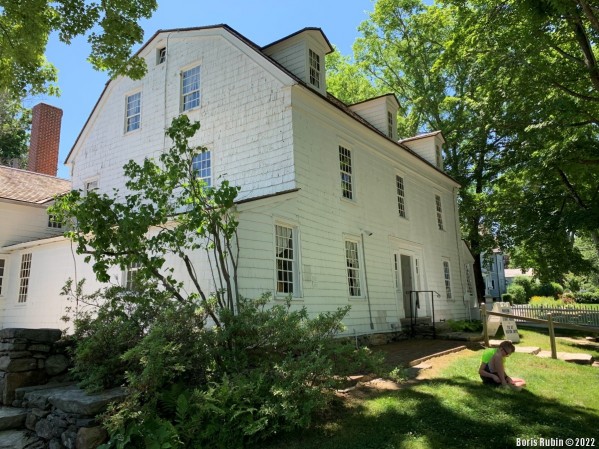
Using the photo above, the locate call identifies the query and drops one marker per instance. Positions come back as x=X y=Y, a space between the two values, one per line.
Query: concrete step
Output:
x=19 y=439
x=582 y=359
x=12 y=418
x=533 y=350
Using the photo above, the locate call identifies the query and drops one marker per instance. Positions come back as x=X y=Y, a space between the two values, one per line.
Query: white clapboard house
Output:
x=372 y=220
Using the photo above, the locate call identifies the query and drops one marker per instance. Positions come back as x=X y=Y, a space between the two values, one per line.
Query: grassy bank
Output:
x=455 y=410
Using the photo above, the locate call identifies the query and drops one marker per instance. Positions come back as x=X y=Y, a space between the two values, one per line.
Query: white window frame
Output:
x=24 y=275
x=130 y=282
x=2 y=273
x=390 y=127
x=202 y=166
x=400 y=186
x=160 y=55
x=447 y=280
x=439 y=210
x=133 y=112
x=89 y=185
x=314 y=68
x=347 y=173
x=352 y=251
x=287 y=281
x=53 y=223
x=191 y=87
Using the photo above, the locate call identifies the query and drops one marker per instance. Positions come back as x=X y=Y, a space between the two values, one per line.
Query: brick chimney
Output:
x=45 y=139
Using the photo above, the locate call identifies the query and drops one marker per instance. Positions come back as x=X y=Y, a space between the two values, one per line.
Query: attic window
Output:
x=160 y=55
x=438 y=157
x=390 y=124
x=314 y=69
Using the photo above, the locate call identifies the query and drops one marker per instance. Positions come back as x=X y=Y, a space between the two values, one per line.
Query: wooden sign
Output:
x=508 y=324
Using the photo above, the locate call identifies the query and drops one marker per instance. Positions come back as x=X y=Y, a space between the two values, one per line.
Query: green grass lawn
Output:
x=455 y=410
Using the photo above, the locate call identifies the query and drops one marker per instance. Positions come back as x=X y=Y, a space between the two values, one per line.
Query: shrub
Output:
x=507 y=297
x=108 y=324
x=549 y=289
x=465 y=325
x=266 y=370
x=527 y=284
x=591 y=297
x=518 y=293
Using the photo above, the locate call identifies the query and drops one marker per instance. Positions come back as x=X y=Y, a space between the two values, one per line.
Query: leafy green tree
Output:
x=112 y=29
x=15 y=122
x=403 y=50
x=543 y=55
x=166 y=211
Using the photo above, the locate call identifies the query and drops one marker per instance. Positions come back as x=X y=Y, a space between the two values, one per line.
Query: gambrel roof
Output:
x=30 y=187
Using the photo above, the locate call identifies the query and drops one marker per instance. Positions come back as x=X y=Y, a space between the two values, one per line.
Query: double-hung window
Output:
x=390 y=124
x=133 y=114
x=286 y=259
x=401 y=196
x=439 y=212
x=24 y=277
x=131 y=277
x=314 y=69
x=202 y=167
x=190 y=88
x=345 y=166
x=447 y=278
x=352 y=263
x=53 y=222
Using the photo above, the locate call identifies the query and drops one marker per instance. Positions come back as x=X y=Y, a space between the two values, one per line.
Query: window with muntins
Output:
x=160 y=55
x=345 y=166
x=447 y=276
x=131 y=277
x=439 y=212
x=401 y=199
x=352 y=261
x=190 y=88
x=2 y=264
x=202 y=166
x=90 y=186
x=24 y=277
x=389 y=124
x=314 y=69
x=53 y=223
x=285 y=256
x=133 y=116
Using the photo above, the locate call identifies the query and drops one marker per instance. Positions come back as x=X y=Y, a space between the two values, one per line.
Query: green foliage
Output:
x=545 y=301
x=518 y=293
x=112 y=29
x=108 y=323
x=15 y=122
x=527 y=284
x=549 y=289
x=465 y=325
x=167 y=211
x=266 y=370
x=507 y=297
x=591 y=297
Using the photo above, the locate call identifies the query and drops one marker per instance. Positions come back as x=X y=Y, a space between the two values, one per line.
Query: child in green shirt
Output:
x=492 y=371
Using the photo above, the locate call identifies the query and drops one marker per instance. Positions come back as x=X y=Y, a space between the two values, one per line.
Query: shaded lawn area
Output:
x=455 y=410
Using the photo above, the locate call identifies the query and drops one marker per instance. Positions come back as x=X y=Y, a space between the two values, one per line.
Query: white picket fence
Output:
x=575 y=314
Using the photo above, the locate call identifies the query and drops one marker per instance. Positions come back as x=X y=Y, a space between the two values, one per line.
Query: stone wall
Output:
x=29 y=357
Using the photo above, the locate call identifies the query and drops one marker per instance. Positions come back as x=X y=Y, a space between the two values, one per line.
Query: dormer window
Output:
x=314 y=69
x=160 y=55
x=390 y=124
x=438 y=157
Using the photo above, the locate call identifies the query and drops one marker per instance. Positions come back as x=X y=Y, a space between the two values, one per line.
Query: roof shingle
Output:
x=30 y=187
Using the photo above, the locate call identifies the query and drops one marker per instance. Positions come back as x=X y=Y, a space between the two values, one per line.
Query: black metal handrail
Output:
x=414 y=309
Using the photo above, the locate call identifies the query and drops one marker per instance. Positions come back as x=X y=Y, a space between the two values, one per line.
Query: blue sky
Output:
x=261 y=21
